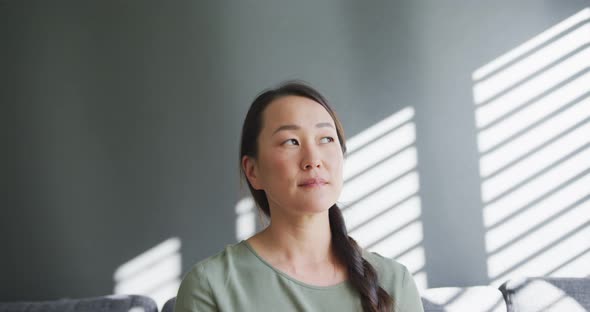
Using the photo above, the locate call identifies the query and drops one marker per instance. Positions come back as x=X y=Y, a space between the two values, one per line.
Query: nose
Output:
x=311 y=159
x=311 y=164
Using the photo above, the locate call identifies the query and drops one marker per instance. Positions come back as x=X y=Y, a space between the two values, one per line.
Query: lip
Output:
x=313 y=182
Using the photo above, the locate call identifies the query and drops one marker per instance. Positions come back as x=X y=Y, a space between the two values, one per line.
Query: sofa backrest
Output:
x=114 y=303
x=169 y=305
x=547 y=294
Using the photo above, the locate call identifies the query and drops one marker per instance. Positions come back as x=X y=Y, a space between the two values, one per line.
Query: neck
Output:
x=302 y=239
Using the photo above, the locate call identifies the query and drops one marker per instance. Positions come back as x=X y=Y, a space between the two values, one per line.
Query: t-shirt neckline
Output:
x=287 y=276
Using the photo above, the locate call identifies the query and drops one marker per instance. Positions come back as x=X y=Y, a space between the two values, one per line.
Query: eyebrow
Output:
x=296 y=127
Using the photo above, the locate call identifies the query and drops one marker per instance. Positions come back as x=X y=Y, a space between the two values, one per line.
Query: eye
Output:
x=327 y=139
x=291 y=142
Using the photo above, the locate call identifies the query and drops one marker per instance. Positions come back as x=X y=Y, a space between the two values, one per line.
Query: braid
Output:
x=361 y=273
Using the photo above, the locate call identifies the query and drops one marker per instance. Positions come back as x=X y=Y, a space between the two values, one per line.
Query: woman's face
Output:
x=299 y=163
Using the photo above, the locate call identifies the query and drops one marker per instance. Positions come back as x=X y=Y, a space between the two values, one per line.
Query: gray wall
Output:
x=123 y=119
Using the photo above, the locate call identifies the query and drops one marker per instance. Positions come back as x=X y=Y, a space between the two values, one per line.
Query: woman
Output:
x=292 y=154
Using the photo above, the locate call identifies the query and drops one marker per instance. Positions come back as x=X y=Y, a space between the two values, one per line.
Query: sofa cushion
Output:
x=451 y=299
x=547 y=294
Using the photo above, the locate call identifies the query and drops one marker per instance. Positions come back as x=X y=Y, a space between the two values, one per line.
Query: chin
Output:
x=317 y=206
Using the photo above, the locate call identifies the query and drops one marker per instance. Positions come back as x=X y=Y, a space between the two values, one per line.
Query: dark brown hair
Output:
x=361 y=273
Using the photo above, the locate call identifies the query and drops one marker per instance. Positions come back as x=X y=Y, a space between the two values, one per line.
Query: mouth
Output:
x=315 y=182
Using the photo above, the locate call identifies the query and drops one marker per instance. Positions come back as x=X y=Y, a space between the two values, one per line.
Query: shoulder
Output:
x=218 y=264
x=397 y=280
x=198 y=287
x=387 y=269
x=393 y=276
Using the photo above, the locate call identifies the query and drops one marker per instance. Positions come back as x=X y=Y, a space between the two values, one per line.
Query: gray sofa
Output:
x=476 y=298
x=113 y=303
x=547 y=294
x=524 y=295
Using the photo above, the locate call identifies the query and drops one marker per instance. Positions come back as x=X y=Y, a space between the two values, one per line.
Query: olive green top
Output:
x=238 y=279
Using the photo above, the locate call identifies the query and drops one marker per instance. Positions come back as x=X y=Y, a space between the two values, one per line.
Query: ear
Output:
x=250 y=168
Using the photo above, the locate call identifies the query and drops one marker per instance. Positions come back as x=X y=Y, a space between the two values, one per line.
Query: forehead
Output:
x=294 y=110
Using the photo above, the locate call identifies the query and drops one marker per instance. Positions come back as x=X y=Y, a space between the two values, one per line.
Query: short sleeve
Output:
x=194 y=294
x=409 y=299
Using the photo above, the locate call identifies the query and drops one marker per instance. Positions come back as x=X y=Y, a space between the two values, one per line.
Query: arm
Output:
x=194 y=294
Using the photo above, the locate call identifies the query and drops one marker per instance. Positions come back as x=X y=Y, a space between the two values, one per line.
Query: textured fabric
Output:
x=547 y=294
x=237 y=279
x=113 y=303
x=456 y=299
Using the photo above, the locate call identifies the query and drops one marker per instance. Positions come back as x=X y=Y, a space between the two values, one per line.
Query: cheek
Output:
x=336 y=161
x=277 y=167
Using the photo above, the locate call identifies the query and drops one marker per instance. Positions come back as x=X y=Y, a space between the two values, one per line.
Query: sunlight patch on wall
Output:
x=379 y=200
x=533 y=119
x=155 y=273
x=245 y=218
